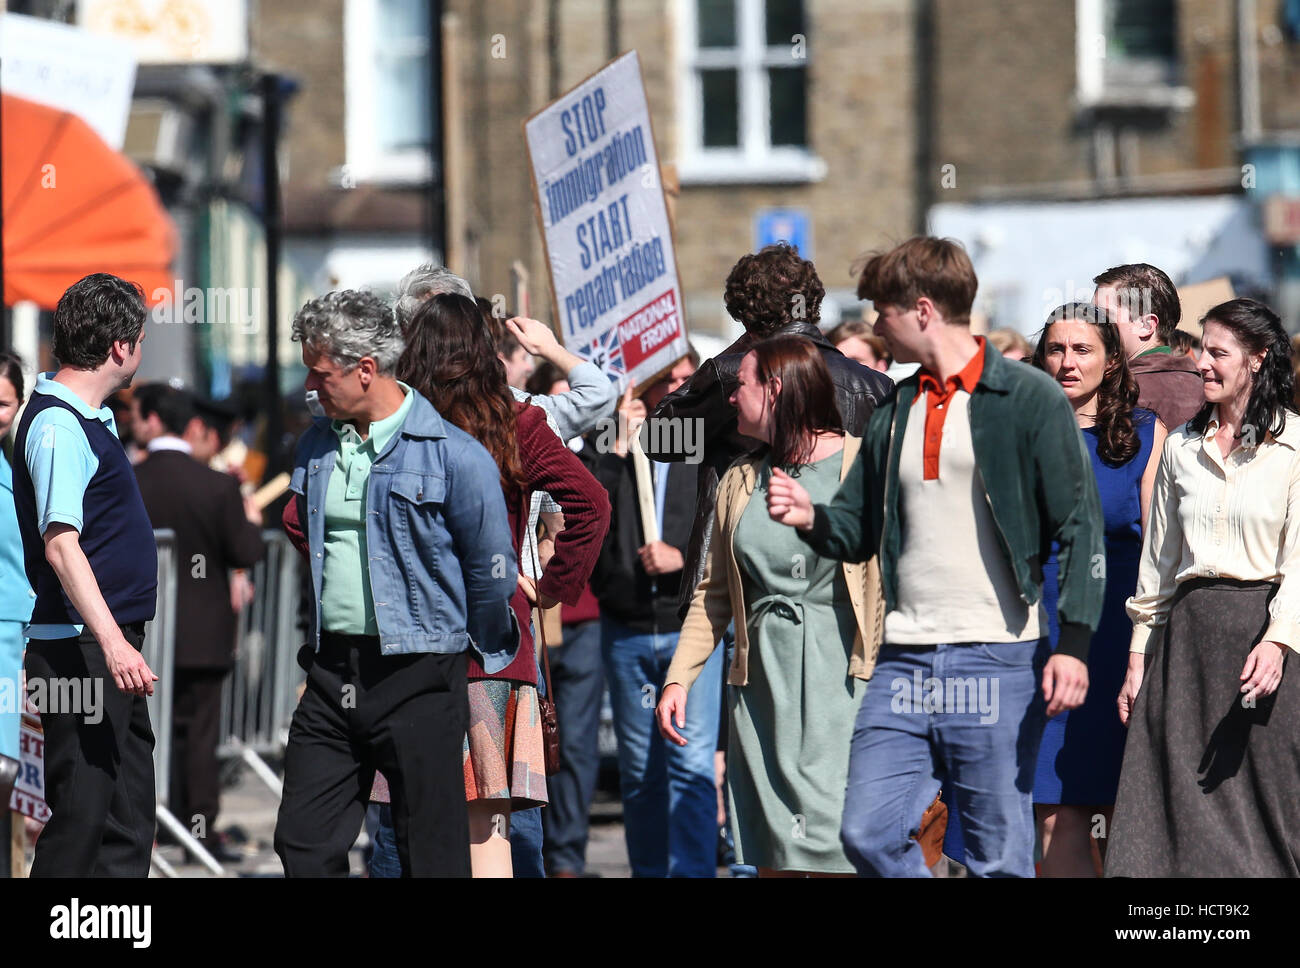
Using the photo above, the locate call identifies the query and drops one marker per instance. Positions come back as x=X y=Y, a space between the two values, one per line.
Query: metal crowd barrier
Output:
x=258 y=698
x=159 y=652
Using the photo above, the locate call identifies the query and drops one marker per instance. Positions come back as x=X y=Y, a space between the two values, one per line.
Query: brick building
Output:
x=1062 y=136
x=776 y=105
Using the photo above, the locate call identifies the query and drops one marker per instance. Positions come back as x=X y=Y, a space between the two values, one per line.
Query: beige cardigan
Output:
x=719 y=597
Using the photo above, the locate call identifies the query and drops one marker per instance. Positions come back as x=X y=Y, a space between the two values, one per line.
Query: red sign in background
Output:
x=649 y=329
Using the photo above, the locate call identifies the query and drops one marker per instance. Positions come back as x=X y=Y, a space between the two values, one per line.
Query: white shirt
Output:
x=1214 y=517
x=168 y=442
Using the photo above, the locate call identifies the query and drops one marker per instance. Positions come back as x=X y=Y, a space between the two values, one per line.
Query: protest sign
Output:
x=28 y=797
x=1199 y=298
x=604 y=220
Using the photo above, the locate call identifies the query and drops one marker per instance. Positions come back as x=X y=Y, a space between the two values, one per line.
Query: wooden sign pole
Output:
x=17 y=844
x=645 y=491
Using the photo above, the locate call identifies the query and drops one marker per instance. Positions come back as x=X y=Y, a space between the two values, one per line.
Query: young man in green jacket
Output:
x=968 y=473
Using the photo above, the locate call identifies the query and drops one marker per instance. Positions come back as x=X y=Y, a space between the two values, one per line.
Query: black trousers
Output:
x=196 y=725
x=405 y=715
x=99 y=779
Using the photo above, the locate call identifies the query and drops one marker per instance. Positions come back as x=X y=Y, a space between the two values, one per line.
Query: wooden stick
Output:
x=519 y=276
x=645 y=491
x=17 y=843
x=269 y=491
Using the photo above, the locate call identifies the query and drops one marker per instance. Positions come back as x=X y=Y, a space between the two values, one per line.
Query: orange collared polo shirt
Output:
x=936 y=410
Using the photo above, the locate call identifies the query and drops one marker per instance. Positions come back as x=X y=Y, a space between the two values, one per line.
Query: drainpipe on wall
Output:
x=1248 y=70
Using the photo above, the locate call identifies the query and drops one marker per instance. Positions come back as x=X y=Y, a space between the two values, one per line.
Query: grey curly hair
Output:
x=349 y=324
x=422 y=282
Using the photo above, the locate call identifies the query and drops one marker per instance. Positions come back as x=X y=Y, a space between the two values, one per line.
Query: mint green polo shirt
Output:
x=346 y=604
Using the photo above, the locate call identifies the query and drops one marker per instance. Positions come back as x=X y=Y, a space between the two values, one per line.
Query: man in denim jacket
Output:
x=412 y=563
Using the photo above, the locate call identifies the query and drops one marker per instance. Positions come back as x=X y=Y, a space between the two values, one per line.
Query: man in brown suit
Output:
x=1144 y=303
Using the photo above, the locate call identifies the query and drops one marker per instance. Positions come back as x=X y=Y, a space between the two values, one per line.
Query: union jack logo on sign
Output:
x=607 y=354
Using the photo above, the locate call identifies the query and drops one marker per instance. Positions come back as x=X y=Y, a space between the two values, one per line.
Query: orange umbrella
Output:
x=72 y=206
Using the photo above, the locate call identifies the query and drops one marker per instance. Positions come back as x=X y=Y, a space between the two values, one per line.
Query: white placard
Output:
x=69 y=69
x=172 y=31
x=604 y=219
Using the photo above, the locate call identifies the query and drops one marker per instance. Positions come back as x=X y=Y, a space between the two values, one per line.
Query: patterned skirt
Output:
x=503 y=756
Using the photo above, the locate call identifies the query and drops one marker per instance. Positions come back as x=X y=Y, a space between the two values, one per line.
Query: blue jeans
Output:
x=384 y=861
x=579 y=681
x=968 y=716
x=670 y=802
x=526 y=842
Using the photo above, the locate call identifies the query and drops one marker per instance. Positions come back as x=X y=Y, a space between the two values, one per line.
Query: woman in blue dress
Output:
x=1081 y=752
x=15 y=593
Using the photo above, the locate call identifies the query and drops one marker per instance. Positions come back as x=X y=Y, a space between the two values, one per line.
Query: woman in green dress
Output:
x=807 y=628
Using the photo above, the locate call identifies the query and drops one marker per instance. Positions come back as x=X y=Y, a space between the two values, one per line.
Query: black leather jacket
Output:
x=704 y=396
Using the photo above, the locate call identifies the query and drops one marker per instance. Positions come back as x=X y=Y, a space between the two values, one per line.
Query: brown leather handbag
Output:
x=930 y=834
x=546 y=705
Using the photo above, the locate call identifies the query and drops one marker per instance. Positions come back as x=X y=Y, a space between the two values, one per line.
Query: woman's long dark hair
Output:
x=1259 y=330
x=1117 y=438
x=11 y=368
x=451 y=359
x=806 y=405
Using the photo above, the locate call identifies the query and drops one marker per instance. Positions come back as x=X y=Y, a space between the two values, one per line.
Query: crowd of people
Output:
x=1039 y=629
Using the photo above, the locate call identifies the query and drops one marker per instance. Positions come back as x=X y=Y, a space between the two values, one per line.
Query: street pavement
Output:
x=250 y=806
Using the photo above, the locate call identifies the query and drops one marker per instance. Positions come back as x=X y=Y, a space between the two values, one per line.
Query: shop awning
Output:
x=72 y=206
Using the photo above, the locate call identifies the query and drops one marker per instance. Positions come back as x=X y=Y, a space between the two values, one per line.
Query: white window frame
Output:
x=754 y=160
x=1091 y=88
x=365 y=162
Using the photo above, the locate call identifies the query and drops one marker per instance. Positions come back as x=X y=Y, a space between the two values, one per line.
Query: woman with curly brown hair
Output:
x=450 y=358
x=1079 y=759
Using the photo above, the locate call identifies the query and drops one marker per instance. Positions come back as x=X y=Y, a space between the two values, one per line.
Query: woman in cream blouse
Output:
x=1209 y=785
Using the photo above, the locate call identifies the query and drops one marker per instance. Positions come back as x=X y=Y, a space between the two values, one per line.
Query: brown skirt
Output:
x=1210 y=788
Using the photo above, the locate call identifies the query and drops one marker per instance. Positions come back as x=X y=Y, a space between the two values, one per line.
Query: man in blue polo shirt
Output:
x=89 y=553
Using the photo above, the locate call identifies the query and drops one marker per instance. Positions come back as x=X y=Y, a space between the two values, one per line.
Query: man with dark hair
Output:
x=141 y=428
x=90 y=555
x=968 y=472
x=213 y=535
x=164 y=411
x=208 y=431
x=1144 y=304
x=769 y=292
x=669 y=796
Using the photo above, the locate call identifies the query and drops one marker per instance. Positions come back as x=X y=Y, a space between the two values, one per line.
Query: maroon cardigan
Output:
x=550 y=466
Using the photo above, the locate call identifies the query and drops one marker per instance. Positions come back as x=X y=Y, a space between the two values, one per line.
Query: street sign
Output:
x=790 y=225
x=604 y=220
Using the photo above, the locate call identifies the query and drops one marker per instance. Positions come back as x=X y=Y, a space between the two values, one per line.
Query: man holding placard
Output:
x=669 y=799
